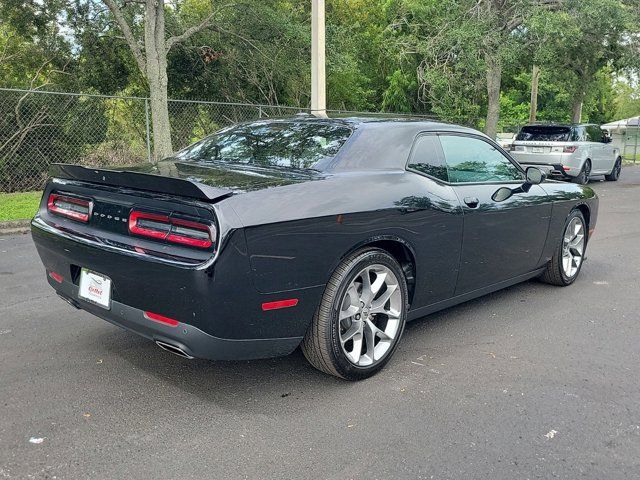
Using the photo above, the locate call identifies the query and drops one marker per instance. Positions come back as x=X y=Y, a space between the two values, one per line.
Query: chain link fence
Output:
x=38 y=128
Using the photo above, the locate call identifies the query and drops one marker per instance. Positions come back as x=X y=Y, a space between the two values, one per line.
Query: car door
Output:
x=597 y=150
x=434 y=214
x=501 y=240
x=609 y=152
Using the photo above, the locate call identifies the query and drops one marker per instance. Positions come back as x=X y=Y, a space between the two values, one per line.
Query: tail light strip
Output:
x=171 y=229
x=71 y=207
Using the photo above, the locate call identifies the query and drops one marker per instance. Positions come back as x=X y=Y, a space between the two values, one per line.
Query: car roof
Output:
x=377 y=143
x=567 y=125
x=422 y=123
x=383 y=143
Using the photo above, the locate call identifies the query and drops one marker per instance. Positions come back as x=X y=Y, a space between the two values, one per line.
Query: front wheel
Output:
x=615 y=172
x=361 y=316
x=583 y=176
x=565 y=265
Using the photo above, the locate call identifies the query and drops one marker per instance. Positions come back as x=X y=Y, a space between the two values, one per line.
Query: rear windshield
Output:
x=545 y=133
x=271 y=144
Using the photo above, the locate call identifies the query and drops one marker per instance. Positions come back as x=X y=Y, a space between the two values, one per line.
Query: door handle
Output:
x=472 y=202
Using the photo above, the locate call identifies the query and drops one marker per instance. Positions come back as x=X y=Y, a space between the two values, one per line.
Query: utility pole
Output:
x=318 y=72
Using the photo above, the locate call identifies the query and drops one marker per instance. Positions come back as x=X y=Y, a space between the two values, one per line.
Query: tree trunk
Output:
x=494 y=80
x=578 y=101
x=535 y=77
x=153 y=65
x=156 y=66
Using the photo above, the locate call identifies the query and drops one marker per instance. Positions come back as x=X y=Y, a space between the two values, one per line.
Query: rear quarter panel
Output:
x=297 y=235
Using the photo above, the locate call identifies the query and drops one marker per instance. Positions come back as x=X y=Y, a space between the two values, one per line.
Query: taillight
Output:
x=71 y=207
x=570 y=149
x=171 y=229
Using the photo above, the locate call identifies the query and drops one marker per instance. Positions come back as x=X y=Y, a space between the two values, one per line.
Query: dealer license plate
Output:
x=95 y=288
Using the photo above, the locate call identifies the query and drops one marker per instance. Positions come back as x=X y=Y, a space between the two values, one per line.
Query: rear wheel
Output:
x=583 y=176
x=615 y=173
x=564 y=267
x=361 y=317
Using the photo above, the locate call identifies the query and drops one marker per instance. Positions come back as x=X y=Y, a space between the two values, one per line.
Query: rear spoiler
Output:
x=139 y=181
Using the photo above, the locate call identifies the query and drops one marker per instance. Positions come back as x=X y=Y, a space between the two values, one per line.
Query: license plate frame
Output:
x=95 y=288
x=537 y=150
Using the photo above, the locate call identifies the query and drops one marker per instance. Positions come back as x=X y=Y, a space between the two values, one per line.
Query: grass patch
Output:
x=629 y=160
x=18 y=206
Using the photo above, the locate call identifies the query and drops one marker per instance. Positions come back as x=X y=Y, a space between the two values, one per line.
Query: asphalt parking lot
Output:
x=531 y=382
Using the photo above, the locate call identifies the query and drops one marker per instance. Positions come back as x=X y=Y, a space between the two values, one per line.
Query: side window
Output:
x=594 y=133
x=578 y=135
x=427 y=157
x=473 y=160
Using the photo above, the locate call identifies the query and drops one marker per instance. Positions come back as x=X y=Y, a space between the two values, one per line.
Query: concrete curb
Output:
x=15 y=227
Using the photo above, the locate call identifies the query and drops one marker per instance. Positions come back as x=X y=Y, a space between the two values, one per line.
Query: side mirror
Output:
x=606 y=139
x=534 y=176
x=502 y=194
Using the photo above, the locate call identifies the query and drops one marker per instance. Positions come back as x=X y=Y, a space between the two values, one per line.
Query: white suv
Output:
x=576 y=152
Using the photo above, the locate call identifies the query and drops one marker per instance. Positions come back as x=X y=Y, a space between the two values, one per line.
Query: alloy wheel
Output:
x=573 y=247
x=369 y=316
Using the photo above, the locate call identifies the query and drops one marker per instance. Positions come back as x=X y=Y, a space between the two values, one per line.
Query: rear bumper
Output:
x=550 y=170
x=191 y=340
x=220 y=313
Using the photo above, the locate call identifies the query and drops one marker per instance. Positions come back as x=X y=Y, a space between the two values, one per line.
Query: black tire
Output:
x=583 y=176
x=554 y=273
x=321 y=343
x=615 y=173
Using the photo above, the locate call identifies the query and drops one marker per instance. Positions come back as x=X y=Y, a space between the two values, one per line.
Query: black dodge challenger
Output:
x=329 y=234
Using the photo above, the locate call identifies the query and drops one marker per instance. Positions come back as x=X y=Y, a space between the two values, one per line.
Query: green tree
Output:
x=150 y=44
x=627 y=99
x=585 y=37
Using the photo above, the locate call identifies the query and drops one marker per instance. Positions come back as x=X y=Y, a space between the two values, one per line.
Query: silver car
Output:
x=575 y=152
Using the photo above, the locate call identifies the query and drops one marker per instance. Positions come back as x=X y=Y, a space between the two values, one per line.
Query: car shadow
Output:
x=241 y=384
x=230 y=384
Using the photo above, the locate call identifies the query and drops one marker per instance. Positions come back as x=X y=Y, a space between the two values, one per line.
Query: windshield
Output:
x=544 y=133
x=299 y=144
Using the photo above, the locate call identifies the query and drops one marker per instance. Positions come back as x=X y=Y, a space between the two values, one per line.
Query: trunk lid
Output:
x=208 y=181
x=141 y=178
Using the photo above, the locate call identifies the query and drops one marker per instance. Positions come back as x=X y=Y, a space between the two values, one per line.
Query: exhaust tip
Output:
x=173 y=349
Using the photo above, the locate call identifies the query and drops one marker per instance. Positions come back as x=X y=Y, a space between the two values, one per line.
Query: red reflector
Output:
x=292 y=302
x=161 y=319
x=570 y=149
x=175 y=230
x=591 y=230
x=566 y=169
x=70 y=207
x=56 y=276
